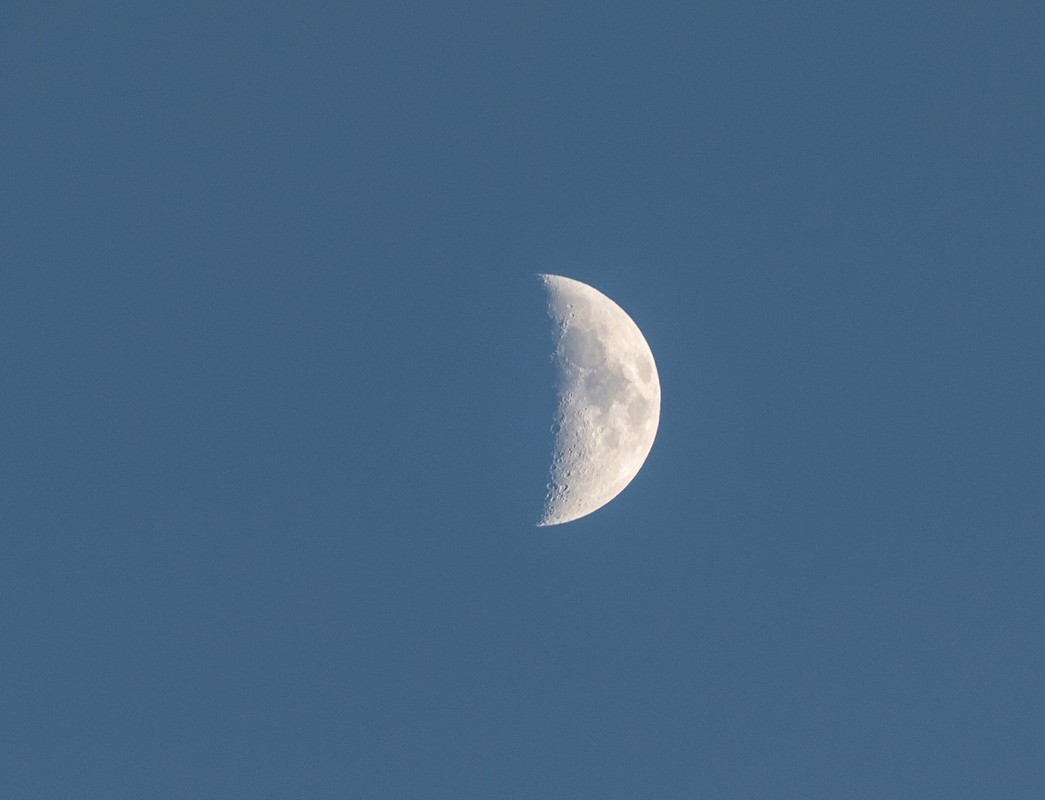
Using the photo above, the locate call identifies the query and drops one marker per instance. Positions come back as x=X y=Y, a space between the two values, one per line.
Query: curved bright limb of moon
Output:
x=609 y=400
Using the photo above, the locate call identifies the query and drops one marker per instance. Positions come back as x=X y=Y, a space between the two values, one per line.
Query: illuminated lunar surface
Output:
x=609 y=400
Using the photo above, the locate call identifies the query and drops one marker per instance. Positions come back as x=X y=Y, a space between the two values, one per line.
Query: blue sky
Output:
x=277 y=390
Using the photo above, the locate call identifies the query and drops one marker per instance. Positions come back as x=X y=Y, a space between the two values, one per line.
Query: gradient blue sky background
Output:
x=276 y=390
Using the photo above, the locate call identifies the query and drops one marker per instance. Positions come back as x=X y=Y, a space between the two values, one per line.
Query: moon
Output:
x=608 y=400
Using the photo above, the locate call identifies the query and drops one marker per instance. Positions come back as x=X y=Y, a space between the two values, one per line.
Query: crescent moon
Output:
x=609 y=400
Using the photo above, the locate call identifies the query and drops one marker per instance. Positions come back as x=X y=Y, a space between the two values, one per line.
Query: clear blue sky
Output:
x=275 y=392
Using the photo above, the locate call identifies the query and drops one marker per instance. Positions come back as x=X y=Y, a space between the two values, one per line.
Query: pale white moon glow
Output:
x=608 y=400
